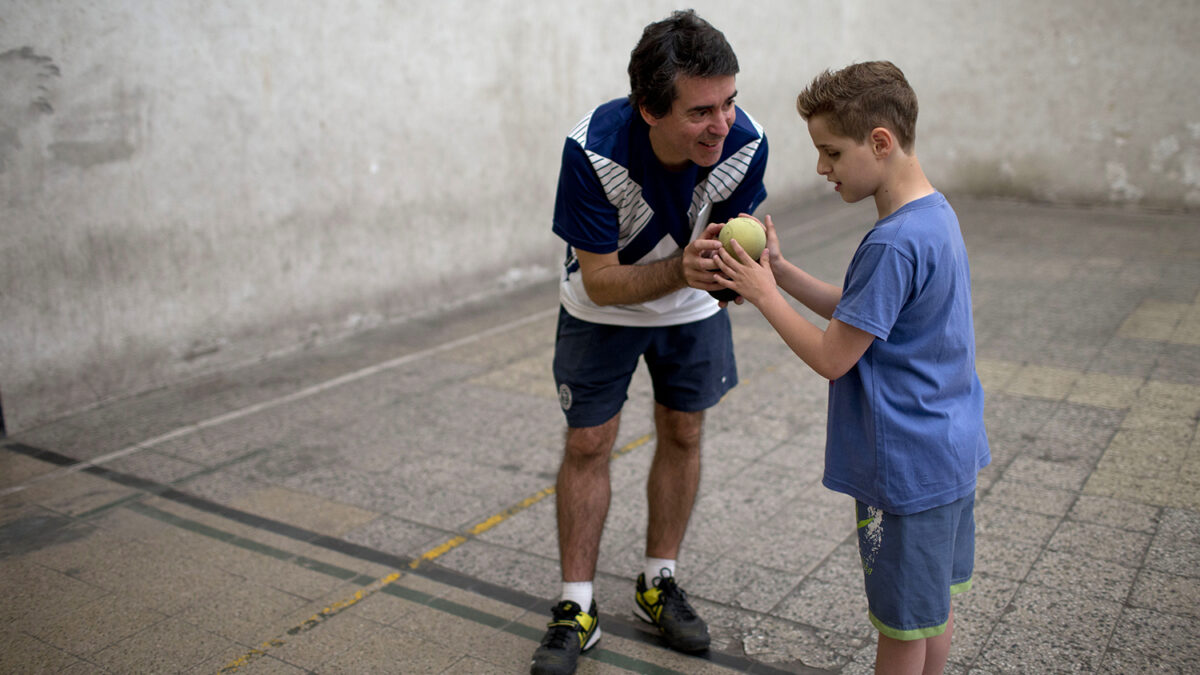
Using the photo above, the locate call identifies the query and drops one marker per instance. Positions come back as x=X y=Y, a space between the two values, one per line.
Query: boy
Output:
x=905 y=431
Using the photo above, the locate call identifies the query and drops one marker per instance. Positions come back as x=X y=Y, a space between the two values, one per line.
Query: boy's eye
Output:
x=832 y=155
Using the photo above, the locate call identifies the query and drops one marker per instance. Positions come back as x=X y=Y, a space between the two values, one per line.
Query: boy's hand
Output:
x=753 y=281
x=772 y=239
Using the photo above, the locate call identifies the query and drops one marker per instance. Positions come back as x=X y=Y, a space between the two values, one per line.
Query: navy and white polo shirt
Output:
x=614 y=195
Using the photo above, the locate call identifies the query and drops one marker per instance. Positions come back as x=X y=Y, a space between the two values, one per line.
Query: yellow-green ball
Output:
x=747 y=232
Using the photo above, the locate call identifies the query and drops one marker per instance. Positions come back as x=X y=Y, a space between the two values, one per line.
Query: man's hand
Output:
x=699 y=262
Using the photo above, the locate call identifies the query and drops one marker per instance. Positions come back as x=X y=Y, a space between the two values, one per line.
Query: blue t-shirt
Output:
x=614 y=195
x=905 y=431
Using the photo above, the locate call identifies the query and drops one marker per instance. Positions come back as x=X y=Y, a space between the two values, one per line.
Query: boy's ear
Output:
x=882 y=142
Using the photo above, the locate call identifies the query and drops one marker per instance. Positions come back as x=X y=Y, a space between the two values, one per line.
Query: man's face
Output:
x=695 y=128
x=851 y=166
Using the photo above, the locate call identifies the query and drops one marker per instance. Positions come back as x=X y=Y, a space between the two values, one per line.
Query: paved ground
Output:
x=385 y=503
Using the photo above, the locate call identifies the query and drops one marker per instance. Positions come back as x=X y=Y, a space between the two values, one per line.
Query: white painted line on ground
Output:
x=276 y=402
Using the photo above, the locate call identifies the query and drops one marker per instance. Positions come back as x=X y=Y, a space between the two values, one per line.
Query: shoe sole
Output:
x=641 y=614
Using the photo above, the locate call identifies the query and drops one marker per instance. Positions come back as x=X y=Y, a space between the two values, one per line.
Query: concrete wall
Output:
x=190 y=185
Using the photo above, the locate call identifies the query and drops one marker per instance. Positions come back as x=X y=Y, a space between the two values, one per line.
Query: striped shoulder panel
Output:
x=726 y=176
x=579 y=133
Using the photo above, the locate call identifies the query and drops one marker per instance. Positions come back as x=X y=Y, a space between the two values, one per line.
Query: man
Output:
x=641 y=179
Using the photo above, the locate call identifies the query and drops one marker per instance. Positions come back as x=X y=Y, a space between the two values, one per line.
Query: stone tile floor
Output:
x=385 y=503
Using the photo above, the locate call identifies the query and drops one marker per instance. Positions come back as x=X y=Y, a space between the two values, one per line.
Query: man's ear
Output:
x=649 y=119
x=882 y=142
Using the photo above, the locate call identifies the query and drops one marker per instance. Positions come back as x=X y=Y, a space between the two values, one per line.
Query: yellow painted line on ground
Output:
x=312 y=622
x=475 y=530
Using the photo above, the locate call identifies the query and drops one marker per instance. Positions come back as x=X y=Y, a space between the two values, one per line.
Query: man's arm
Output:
x=608 y=282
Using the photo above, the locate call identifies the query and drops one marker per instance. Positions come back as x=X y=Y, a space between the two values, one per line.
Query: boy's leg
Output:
x=582 y=495
x=899 y=657
x=937 y=649
x=914 y=657
x=913 y=612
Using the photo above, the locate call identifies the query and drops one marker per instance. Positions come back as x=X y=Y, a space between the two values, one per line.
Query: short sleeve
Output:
x=878 y=285
x=583 y=216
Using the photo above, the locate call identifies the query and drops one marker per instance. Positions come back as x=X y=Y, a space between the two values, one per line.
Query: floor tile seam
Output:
x=301 y=394
x=1026 y=581
x=439 y=574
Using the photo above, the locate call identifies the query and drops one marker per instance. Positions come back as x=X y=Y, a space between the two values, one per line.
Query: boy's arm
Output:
x=819 y=296
x=831 y=352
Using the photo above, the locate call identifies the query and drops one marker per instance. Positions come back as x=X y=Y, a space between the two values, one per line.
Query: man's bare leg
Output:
x=674 y=480
x=582 y=495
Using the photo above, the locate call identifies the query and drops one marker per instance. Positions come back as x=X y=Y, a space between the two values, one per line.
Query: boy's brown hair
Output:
x=861 y=97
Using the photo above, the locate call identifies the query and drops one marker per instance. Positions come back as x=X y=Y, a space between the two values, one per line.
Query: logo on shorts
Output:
x=564 y=397
x=870 y=537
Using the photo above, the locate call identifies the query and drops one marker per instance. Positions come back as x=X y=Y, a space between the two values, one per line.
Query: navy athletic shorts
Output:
x=691 y=365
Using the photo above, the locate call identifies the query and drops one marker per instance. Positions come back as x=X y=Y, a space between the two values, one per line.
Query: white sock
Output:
x=658 y=567
x=578 y=591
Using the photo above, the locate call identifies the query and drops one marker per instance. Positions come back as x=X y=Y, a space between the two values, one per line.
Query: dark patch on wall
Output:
x=25 y=94
x=84 y=154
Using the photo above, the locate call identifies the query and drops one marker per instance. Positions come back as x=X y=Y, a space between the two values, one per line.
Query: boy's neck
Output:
x=905 y=182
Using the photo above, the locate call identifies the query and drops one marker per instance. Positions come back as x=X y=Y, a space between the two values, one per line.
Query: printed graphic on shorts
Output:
x=564 y=397
x=870 y=537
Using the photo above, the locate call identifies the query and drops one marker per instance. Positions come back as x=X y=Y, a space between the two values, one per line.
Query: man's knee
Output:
x=678 y=429
x=591 y=443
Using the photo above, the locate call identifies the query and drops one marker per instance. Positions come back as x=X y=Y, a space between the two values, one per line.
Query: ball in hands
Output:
x=752 y=237
x=747 y=232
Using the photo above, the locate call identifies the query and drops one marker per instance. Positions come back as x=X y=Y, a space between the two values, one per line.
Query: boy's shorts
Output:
x=913 y=564
x=691 y=365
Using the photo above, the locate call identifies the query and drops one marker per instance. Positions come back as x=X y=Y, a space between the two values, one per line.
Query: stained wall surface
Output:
x=186 y=186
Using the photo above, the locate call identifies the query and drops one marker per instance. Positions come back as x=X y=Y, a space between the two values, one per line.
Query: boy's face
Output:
x=695 y=128
x=852 y=166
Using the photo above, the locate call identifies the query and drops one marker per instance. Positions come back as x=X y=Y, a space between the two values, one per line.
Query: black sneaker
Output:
x=569 y=633
x=666 y=606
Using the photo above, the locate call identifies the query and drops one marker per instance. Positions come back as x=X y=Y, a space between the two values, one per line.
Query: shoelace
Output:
x=676 y=598
x=563 y=628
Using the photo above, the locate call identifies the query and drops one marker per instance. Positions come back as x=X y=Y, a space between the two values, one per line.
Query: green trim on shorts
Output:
x=920 y=633
x=907 y=635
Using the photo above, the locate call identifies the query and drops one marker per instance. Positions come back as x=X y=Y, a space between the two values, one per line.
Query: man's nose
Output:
x=721 y=124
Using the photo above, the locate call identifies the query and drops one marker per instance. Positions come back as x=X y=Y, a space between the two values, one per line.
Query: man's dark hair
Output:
x=680 y=45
